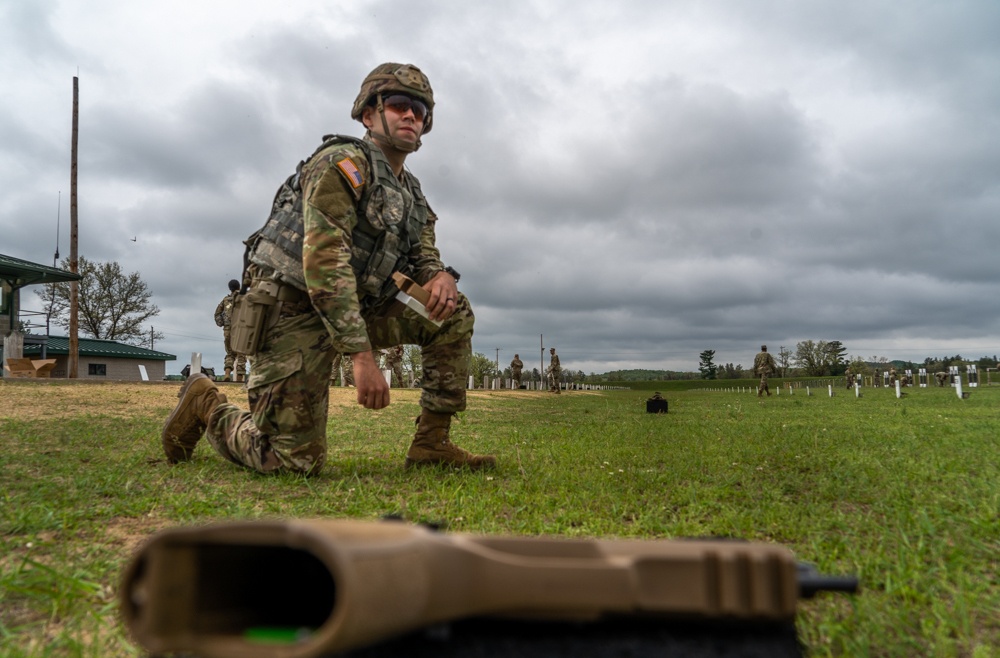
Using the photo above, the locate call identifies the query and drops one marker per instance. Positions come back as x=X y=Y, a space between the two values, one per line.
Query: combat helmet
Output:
x=392 y=77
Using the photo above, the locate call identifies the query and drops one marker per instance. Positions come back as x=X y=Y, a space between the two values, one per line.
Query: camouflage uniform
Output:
x=516 y=366
x=554 y=371
x=394 y=362
x=348 y=366
x=764 y=365
x=223 y=318
x=341 y=310
x=320 y=272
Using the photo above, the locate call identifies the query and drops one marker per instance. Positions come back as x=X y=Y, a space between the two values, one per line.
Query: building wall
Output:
x=115 y=369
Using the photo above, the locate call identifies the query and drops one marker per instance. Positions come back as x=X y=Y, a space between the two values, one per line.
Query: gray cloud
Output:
x=637 y=182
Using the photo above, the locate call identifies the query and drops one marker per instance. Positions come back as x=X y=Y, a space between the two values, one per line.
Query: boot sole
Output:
x=485 y=465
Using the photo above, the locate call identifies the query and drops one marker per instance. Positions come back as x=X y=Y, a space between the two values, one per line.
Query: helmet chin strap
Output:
x=384 y=136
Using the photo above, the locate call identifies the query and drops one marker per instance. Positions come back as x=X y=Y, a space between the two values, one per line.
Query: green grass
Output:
x=904 y=493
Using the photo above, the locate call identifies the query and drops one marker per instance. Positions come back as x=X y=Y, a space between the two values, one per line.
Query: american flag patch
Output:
x=351 y=171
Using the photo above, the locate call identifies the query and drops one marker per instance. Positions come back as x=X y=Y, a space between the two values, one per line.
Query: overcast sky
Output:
x=636 y=181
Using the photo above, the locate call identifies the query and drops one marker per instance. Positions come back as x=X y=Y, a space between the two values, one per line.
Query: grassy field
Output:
x=904 y=493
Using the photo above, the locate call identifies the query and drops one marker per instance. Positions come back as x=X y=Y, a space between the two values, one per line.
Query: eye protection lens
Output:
x=399 y=103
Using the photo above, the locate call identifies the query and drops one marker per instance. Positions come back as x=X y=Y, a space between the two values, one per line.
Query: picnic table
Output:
x=29 y=367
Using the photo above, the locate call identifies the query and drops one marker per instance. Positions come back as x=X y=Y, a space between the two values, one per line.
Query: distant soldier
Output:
x=223 y=318
x=941 y=377
x=892 y=376
x=516 y=366
x=348 y=366
x=763 y=365
x=849 y=378
x=394 y=362
x=554 y=371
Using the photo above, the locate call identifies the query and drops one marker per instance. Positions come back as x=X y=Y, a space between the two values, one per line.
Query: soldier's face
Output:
x=403 y=124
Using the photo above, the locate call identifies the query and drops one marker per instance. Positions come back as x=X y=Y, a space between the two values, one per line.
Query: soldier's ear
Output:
x=368 y=116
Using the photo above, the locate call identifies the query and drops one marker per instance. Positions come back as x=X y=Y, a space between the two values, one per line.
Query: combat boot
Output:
x=187 y=422
x=431 y=445
x=229 y=375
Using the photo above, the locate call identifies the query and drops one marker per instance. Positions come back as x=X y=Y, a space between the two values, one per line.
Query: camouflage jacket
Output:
x=359 y=224
x=224 y=311
x=763 y=364
x=516 y=365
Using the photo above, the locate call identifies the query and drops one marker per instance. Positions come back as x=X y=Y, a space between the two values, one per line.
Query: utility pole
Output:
x=150 y=336
x=541 y=361
x=73 y=361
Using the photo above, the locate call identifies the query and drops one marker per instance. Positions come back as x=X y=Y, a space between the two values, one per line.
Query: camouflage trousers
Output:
x=340 y=361
x=285 y=428
x=233 y=358
x=763 y=384
x=516 y=376
x=554 y=375
x=397 y=373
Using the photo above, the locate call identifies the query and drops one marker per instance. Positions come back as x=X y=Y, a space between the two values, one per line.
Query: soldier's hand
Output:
x=444 y=296
x=373 y=391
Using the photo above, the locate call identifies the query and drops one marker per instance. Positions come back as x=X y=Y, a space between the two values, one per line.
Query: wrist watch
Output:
x=454 y=274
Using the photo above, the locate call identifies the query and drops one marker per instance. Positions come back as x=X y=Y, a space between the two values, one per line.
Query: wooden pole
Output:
x=74 y=286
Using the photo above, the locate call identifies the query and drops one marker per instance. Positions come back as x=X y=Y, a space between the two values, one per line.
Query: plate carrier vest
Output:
x=391 y=218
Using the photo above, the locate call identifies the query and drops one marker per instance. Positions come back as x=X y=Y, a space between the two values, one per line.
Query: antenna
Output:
x=55 y=258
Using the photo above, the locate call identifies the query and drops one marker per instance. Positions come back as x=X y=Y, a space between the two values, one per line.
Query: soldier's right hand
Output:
x=373 y=391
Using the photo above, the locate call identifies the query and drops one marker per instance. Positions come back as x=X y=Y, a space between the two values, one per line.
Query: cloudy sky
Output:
x=635 y=181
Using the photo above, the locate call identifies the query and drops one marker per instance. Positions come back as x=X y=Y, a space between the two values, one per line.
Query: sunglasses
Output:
x=400 y=104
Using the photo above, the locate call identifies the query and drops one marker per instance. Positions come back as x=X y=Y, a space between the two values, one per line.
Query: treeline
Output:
x=829 y=358
x=640 y=375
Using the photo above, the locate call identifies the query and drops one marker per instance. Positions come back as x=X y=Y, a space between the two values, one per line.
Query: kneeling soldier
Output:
x=349 y=218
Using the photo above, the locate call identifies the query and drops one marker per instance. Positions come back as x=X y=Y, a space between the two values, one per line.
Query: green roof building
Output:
x=98 y=359
x=103 y=359
x=16 y=274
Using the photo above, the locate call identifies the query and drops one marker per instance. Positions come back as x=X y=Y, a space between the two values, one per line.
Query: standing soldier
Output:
x=338 y=361
x=516 y=366
x=554 y=372
x=394 y=362
x=849 y=378
x=224 y=318
x=350 y=217
x=763 y=365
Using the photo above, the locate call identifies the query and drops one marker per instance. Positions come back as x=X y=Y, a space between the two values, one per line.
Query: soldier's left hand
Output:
x=444 y=296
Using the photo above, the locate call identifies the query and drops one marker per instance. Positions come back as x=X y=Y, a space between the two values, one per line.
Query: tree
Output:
x=784 y=359
x=820 y=358
x=859 y=367
x=814 y=358
x=482 y=366
x=112 y=305
x=706 y=367
x=412 y=360
x=730 y=371
x=836 y=357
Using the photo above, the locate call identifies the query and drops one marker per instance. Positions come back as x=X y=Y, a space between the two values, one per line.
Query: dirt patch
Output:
x=130 y=533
